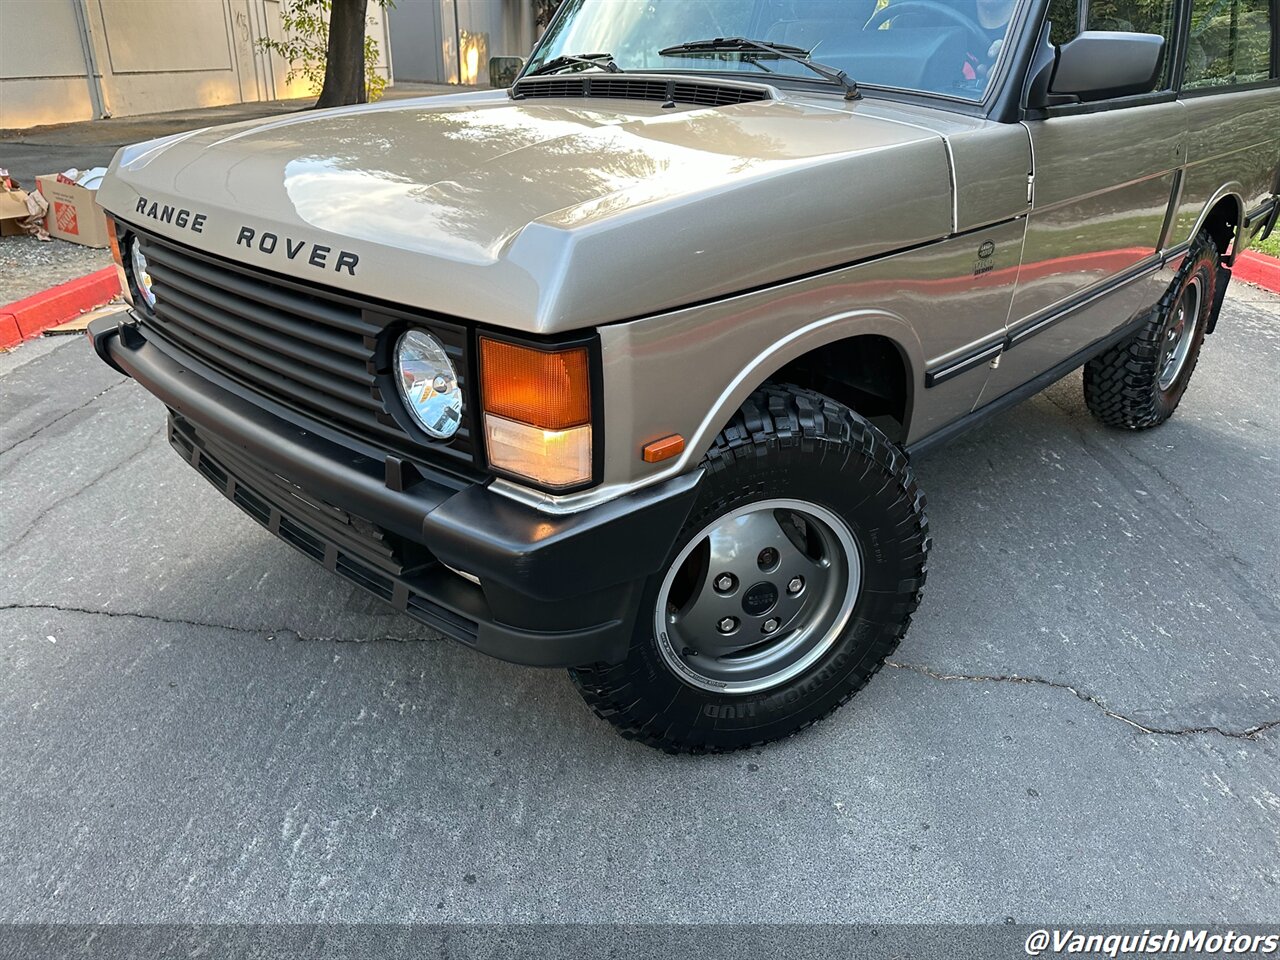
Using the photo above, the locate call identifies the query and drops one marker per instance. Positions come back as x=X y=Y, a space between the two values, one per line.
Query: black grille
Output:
x=612 y=86
x=308 y=350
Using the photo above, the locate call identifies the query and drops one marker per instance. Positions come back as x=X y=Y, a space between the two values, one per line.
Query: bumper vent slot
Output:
x=434 y=615
x=266 y=501
x=251 y=505
x=212 y=472
x=363 y=576
x=613 y=87
x=292 y=533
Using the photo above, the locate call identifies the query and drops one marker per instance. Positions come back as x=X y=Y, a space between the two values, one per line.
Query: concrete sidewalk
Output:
x=39 y=150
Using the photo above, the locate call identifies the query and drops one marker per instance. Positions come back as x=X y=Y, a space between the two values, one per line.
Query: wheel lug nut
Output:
x=728 y=625
x=768 y=559
x=726 y=582
x=771 y=625
x=796 y=585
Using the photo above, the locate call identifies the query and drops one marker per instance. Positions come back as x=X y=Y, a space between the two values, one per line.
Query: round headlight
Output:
x=428 y=384
x=141 y=275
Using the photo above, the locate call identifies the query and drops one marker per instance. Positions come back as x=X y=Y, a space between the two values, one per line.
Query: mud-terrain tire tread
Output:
x=1121 y=385
x=778 y=417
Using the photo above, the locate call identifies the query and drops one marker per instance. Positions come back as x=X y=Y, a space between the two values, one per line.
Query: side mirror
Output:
x=504 y=70
x=1098 y=64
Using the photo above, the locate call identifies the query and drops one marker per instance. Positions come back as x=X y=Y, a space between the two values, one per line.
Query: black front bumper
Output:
x=554 y=590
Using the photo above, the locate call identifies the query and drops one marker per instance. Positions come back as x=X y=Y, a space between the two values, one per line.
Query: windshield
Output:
x=948 y=47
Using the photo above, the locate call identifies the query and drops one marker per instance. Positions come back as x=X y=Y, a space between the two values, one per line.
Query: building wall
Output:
x=425 y=36
x=415 y=39
x=66 y=60
x=42 y=63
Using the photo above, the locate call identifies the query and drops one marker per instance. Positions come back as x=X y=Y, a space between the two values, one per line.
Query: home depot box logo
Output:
x=65 y=216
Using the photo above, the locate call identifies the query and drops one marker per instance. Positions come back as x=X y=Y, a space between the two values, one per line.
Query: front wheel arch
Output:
x=868 y=373
x=811 y=340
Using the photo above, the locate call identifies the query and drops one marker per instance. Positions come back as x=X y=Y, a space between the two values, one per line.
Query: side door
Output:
x=1104 y=178
x=1232 y=98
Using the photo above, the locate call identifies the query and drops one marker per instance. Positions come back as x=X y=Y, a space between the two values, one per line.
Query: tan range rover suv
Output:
x=622 y=369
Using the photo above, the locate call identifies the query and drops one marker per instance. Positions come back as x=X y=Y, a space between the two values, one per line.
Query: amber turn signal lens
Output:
x=549 y=389
x=114 y=239
x=663 y=449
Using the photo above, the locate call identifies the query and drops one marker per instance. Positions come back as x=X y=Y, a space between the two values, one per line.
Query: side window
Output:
x=1229 y=43
x=1070 y=17
x=1064 y=15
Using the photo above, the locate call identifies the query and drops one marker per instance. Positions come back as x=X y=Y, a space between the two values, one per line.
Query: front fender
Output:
x=688 y=373
x=797 y=343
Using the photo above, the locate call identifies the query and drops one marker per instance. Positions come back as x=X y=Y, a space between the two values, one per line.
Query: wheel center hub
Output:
x=723 y=627
x=760 y=599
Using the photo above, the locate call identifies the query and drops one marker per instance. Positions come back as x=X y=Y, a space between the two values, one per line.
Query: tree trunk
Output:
x=344 y=68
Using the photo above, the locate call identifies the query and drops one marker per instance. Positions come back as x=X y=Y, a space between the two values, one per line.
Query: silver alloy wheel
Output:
x=766 y=629
x=1180 y=334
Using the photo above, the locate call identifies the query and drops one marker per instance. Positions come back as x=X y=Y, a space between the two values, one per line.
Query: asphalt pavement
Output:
x=199 y=724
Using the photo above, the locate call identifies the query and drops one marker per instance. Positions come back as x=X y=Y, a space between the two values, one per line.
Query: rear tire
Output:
x=749 y=646
x=1138 y=383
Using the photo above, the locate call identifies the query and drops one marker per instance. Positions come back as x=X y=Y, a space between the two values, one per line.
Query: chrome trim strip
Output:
x=1039 y=323
x=934 y=377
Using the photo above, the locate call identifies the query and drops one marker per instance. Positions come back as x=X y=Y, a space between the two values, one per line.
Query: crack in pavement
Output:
x=58 y=419
x=1250 y=733
x=267 y=633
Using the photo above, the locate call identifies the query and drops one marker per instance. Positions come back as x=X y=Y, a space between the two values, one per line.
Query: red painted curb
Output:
x=23 y=319
x=1259 y=269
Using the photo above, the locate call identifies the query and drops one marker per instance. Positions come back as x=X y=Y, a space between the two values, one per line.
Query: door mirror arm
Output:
x=1044 y=60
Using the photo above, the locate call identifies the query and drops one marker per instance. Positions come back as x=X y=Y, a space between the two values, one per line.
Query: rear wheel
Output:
x=1138 y=383
x=794 y=577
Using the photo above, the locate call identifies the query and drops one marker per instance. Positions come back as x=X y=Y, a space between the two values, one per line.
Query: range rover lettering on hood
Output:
x=317 y=254
x=167 y=213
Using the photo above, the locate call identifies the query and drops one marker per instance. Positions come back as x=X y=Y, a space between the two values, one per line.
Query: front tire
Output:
x=1139 y=383
x=793 y=579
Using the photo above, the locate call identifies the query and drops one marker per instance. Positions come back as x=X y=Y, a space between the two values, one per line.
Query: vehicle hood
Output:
x=544 y=215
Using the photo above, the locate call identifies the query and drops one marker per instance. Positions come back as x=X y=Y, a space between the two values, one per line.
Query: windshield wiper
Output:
x=754 y=49
x=602 y=60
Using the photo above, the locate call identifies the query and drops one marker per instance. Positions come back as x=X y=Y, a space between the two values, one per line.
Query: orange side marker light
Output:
x=663 y=449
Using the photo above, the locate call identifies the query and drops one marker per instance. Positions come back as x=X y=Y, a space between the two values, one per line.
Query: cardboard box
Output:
x=13 y=207
x=74 y=213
